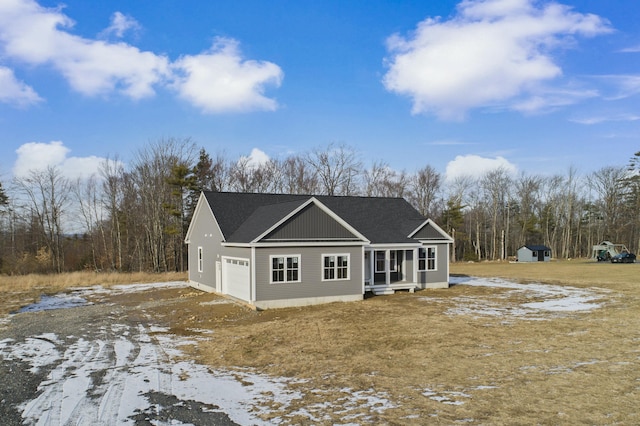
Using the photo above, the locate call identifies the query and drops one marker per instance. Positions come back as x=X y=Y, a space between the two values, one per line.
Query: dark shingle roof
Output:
x=244 y=216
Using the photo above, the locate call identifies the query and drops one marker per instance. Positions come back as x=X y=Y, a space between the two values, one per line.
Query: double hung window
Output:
x=335 y=267
x=285 y=269
x=427 y=258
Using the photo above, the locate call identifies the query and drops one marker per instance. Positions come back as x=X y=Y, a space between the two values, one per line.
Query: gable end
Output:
x=311 y=223
x=430 y=231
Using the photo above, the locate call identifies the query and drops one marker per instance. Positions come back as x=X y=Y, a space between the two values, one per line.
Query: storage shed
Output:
x=534 y=253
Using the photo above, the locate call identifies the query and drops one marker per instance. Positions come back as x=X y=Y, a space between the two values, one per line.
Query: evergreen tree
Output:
x=4 y=199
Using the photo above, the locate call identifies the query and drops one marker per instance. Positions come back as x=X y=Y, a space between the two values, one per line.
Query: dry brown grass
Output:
x=566 y=368
x=18 y=290
x=573 y=368
x=579 y=273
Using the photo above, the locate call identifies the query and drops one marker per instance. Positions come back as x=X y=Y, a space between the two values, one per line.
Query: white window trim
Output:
x=426 y=258
x=393 y=260
x=285 y=256
x=200 y=259
x=335 y=267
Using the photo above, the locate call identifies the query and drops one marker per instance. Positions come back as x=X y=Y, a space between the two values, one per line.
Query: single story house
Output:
x=279 y=250
x=534 y=253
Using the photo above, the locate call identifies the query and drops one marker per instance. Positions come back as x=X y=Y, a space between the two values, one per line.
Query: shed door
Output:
x=235 y=278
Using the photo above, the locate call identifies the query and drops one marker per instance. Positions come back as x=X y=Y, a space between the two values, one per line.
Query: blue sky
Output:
x=463 y=86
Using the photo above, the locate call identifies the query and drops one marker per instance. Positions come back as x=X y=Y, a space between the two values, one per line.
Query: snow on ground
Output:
x=118 y=376
x=111 y=381
x=549 y=299
x=77 y=296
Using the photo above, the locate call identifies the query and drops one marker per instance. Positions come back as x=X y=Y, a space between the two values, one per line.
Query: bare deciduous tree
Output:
x=425 y=186
x=297 y=176
x=112 y=173
x=47 y=192
x=337 y=169
x=151 y=174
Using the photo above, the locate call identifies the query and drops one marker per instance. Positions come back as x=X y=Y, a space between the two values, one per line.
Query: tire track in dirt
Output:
x=110 y=363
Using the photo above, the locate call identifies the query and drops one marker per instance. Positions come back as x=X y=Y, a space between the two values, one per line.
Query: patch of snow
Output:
x=128 y=288
x=446 y=397
x=453 y=397
x=57 y=301
x=216 y=302
x=349 y=406
x=73 y=394
x=77 y=296
x=555 y=299
x=37 y=351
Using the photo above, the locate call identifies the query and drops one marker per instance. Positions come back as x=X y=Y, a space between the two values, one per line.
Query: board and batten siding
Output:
x=312 y=223
x=428 y=232
x=311 y=284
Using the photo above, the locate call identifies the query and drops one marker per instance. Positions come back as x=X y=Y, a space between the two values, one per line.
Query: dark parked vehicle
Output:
x=625 y=257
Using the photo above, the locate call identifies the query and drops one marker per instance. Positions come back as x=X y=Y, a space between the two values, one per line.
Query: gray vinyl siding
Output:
x=442 y=267
x=205 y=234
x=311 y=270
x=408 y=265
x=312 y=223
x=242 y=252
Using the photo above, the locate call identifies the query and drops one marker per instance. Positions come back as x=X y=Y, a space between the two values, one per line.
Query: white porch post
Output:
x=387 y=261
x=372 y=267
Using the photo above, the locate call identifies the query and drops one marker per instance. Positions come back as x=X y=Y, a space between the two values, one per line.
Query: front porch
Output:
x=388 y=270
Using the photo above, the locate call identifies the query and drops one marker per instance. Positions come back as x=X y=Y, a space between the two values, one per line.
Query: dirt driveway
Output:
x=485 y=351
x=108 y=362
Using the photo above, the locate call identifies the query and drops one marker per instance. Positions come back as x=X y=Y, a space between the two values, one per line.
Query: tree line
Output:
x=135 y=217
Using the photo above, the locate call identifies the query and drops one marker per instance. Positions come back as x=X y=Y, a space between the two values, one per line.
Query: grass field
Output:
x=431 y=357
x=436 y=366
x=20 y=290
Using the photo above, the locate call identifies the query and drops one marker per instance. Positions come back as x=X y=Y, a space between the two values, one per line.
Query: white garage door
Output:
x=235 y=278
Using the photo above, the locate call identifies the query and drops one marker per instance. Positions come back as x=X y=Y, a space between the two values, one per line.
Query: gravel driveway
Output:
x=106 y=363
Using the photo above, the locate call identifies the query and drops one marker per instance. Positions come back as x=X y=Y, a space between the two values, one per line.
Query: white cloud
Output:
x=34 y=156
x=15 y=92
x=220 y=80
x=632 y=49
x=606 y=118
x=38 y=156
x=476 y=166
x=37 y=36
x=491 y=53
x=256 y=159
x=120 y=24
x=622 y=86
x=546 y=100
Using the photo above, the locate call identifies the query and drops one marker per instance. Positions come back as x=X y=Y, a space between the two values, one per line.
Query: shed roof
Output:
x=536 y=247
